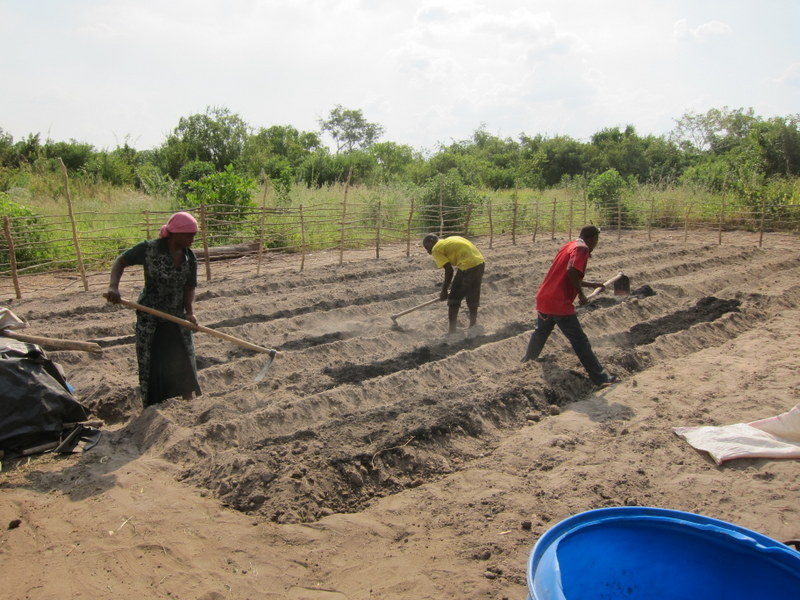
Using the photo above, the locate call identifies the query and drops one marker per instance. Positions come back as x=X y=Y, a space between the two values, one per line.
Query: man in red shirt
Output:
x=554 y=304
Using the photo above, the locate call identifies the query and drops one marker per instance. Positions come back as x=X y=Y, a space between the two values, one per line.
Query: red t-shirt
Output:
x=556 y=295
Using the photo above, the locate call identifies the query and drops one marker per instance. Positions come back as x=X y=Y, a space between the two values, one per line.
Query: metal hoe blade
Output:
x=263 y=372
x=622 y=286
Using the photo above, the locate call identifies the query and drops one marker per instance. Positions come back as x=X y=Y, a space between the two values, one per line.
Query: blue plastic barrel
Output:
x=642 y=553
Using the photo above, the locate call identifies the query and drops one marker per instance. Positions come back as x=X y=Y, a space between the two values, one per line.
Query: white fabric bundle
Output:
x=773 y=437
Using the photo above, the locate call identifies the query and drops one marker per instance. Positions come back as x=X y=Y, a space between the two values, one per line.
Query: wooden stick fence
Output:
x=58 y=244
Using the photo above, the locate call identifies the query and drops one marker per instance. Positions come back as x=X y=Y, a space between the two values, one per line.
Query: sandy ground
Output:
x=376 y=462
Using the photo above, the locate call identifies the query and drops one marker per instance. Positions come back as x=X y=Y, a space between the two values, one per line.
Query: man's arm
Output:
x=576 y=279
x=448 y=277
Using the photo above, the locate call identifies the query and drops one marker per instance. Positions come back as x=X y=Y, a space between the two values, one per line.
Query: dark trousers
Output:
x=467 y=286
x=171 y=370
x=571 y=328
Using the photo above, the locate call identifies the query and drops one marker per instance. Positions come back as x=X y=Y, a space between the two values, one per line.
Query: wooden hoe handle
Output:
x=413 y=308
x=605 y=285
x=190 y=325
x=52 y=342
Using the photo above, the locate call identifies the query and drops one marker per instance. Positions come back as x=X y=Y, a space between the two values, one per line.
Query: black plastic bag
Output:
x=35 y=399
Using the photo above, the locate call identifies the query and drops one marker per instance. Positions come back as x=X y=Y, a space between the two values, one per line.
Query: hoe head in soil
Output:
x=621 y=283
x=622 y=286
x=408 y=310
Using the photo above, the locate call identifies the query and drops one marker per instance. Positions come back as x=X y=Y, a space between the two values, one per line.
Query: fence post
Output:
x=74 y=226
x=722 y=210
x=491 y=226
x=585 y=184
x=619 y=219
x=147 y=225
x=571 y=203
x=205 y=240
x=686 y=224
x=408 y=229
x=536 y=221
x=441 y=206
x=763 y=214
x=553 y=222
x=261 y=222
x=378 y=233
x=344 y=214
x=650 y=220
x=302 y=240
x=514 y=221
x=12 y=255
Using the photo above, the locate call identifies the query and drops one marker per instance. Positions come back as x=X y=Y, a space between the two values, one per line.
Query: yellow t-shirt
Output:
x=458 y=251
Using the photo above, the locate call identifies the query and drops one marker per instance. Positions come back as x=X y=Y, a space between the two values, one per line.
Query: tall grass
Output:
x=110 y=219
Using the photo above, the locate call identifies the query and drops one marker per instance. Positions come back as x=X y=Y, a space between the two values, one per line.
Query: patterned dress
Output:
x=165 y=350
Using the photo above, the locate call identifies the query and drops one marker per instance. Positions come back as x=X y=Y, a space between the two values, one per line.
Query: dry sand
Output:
x=377 y=463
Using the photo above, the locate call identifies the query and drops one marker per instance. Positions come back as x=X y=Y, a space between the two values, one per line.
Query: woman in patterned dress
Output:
x=164 y=350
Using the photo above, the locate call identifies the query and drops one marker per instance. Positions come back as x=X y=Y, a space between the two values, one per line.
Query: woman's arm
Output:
x=113 y=295
x=188 y=303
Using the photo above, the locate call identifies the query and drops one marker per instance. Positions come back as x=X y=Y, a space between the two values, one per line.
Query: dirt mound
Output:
x=355 y=413
x=354 y=409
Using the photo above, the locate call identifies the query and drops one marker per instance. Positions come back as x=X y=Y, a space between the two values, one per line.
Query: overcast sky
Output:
x=429 y=71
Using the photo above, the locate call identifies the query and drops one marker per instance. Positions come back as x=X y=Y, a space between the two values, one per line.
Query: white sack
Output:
x=8 y=320
x=773 y=437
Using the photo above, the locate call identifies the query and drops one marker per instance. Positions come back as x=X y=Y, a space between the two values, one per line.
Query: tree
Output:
x=74 y=154
x=717 y=131
x=558 y=156
x=111 y=167
x=276 y=150
x=779 y=141
x=735 y=150
x=26 y=151
x=665 y=160
x=620 y=150
x=6 y=147
x=350 y=130
x=392 y=160
x=218 y=137
x=324 y=168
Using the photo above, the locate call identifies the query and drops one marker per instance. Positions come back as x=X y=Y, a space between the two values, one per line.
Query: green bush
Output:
x=781 y=203
x=190 y=173
x=110 y=167
x=153 y=182
x=229 y=198
x=607 y=191
x=24 y=226
x=75 y=155
x=282 y=183
x=445 y=201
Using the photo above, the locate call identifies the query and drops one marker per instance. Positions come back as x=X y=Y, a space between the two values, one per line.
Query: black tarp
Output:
x=35 y=399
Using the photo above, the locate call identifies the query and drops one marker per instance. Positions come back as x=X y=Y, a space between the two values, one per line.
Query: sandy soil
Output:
x=394 y=463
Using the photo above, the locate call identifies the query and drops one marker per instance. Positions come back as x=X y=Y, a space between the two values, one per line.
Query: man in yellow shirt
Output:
x=459 y=253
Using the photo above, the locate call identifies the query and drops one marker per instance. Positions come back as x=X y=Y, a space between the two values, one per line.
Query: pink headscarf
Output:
x=180 y=222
